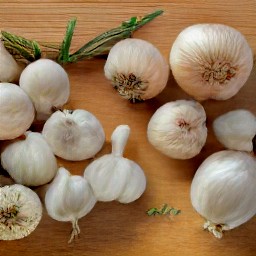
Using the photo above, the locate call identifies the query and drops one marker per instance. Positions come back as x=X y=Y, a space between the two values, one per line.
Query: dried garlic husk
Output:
x=20 y=212
x=114 y=177
x=211 y=61
x=236 y=129
x=74 y=135
x=177 y=129
x=136 y=69
x=30 y=161
x=9 y=68
x=16 y=111
x=69 y=198
x=223 y=190
x=47 y=84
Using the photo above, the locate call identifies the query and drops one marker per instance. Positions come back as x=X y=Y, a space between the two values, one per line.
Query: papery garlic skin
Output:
x=16 y=111
x=30 y=161
x=69 y=198
x=178 y=129
x=211 y=61
x=136 y=69
x=74 y=135
x=20 y=212
x=114 y=177
x=223 y=190
x=236 y=129
x=47 y=84
x=9 y=68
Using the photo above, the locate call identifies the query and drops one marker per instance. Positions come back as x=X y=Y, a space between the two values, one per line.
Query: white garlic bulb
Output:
x=47 y=84
x=136 y=69
x=223 y=190
x=16 y=111
x=177 y=129
x=30 y=161
x=9 y=68
x=20 y=212
x=236 y=129
x=114 y=177
x=211 y=61
x=74 y=135
x=69 y=198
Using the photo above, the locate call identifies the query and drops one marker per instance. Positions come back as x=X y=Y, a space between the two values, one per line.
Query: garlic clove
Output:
x=16 y=111
x=10 y=70
x=236 y=129
x=20 y=212
x=74 y=135
x=69 y=198
x=30 y=161
x=211 y=61
x=223 y=190
x=47 y=84
x=114 y=177
x=177 y=129
x=136 y=69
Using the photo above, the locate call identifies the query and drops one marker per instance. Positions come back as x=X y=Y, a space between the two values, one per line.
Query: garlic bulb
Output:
x=114 y=177
x=16 y=111
x=223 y=190
x=177 y=129
x=69 y=198
x=74 y=135
x=236 y=129
x=20 y=212
x=31 y=161
x=211 y=61
x=9 y=68
x=136 y=69
x=47 y=84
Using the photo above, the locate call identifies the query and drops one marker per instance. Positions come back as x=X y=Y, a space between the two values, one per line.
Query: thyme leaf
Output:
x=164 y=210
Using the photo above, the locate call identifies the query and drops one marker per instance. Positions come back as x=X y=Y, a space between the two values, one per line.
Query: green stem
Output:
x=30 y=50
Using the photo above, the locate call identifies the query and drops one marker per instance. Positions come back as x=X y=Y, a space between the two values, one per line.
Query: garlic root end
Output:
x=75 y=231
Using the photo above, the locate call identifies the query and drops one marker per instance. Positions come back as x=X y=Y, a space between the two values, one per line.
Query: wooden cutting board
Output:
x=113 y=229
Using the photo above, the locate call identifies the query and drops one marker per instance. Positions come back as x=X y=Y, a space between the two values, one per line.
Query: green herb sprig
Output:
x=27 y=50
x=165 y=210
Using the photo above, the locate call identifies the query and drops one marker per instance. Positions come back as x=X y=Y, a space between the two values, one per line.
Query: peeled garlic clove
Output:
x=236 y=129
x=114 y=177
x=9 y=68
x=223 y=190
x=16 y=111
x=69 y=198
x=177 y=129
x=47 y=84
x=74 y=135
x=211 y=61
x=30 y=161
x=136 y=69
x=20 y=212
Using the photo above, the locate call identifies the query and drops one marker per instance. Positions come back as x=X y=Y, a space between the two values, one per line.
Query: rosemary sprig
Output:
x=31 y=50
x=165 y=210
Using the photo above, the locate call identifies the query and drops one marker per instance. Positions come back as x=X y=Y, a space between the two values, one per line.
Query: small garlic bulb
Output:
x=47 y=84
x=114 y=177
x=9 y=68
x=30 y=161
x=177 y=129
x=74 y=135
x=20 y=212
x=136 y=69
x=69 y=198
x=236 y=129
x=211 y=61
x=16 y=111
x=223 y=190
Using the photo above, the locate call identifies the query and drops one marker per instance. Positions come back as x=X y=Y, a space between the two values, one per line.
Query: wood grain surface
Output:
x=113 y=229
